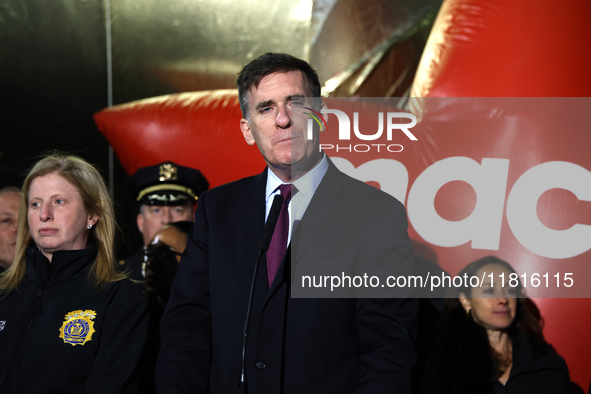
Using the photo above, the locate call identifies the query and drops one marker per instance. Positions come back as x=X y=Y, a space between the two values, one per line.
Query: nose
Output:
x=503 y=301
x=46 y=213
x=167 y=217
x=283 y=119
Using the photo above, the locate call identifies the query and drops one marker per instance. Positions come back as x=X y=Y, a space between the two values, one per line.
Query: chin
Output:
x=47 y=248
x=45 y=244
x=503 y=324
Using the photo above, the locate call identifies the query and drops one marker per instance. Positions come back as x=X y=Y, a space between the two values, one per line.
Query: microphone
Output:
x=263 y=247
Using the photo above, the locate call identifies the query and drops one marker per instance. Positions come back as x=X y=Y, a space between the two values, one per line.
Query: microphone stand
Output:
x=263 y=247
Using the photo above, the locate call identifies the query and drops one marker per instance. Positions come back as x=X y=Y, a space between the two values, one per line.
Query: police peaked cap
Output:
x=167 y=184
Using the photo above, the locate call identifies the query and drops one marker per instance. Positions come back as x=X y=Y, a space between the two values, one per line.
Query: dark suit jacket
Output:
x=295 y=345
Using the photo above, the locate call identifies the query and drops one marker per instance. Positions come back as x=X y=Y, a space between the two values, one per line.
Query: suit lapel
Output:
x=251 y=213
x=319 y=213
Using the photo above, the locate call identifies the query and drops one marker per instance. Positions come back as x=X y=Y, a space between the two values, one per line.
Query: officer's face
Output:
x=152 y=217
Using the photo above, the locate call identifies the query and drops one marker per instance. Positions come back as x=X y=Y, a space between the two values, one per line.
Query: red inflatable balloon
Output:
x=507 y=48
x=199 y=129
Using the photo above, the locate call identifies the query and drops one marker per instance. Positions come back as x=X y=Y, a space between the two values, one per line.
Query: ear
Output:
x=246 y=131
x=465 y=301
x=140 y=222
x=323 y=106
x=92 y=219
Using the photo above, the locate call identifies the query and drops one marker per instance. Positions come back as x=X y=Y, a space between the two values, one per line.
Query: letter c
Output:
x=522 y=214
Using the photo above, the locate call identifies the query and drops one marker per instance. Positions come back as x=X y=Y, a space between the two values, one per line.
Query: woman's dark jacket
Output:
x=59 y=334
x=537 y=369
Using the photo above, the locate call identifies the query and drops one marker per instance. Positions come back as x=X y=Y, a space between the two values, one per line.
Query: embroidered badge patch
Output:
x=78 y=327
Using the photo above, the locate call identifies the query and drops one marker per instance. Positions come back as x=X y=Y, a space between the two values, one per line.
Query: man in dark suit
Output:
x=295 y=345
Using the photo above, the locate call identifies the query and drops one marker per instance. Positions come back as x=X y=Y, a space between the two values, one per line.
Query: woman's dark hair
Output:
x=462 y=343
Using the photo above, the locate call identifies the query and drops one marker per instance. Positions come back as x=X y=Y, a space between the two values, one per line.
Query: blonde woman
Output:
x=69 y=322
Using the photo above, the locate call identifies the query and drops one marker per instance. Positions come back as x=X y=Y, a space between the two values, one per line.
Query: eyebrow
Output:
x=264 y=104
x=63 y=195
x=267 y=103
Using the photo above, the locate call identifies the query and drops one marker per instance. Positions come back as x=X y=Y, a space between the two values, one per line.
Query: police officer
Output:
x=167 y=193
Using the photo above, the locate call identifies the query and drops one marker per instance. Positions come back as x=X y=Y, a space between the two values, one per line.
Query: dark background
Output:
x=53 y=77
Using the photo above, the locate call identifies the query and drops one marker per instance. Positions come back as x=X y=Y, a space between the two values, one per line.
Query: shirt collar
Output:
x=273 y=182
x=306 y=185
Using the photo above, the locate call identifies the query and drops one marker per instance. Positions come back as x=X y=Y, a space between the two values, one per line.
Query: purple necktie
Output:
x=279 y=240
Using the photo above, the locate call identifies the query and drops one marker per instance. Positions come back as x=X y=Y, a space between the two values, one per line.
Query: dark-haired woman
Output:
x=489 y=342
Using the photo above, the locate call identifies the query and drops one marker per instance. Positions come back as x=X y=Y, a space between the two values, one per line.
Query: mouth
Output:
x=48 y=231
x=288 y=139
x=284 y=140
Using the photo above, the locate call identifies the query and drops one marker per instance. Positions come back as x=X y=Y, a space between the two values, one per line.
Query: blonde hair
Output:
x=95 y=197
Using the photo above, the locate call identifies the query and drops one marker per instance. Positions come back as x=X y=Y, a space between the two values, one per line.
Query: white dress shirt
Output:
x=306 y=186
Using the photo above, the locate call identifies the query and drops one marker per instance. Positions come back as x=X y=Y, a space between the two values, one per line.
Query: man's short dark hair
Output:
x=269 y=63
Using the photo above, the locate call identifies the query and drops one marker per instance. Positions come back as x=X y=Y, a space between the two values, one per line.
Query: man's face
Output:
x=278 y=123
x=152 y=217
x=9 y=203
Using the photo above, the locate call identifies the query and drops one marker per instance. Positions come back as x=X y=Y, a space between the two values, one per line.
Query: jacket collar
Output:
x=66 y=265
x=320 y=211
x=252 y=209
x=530 y=356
